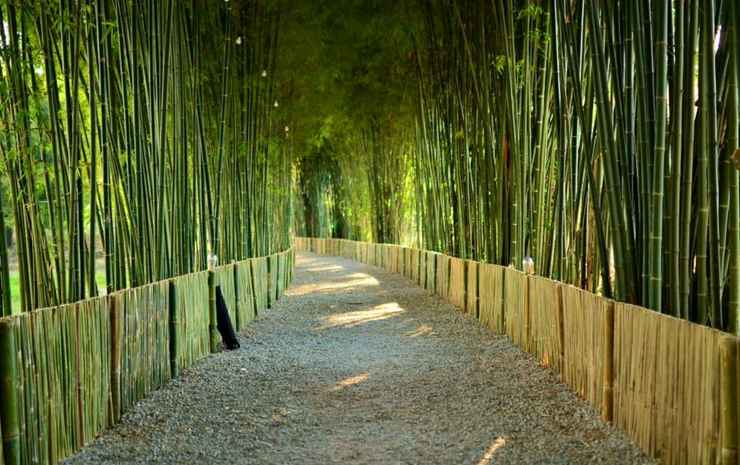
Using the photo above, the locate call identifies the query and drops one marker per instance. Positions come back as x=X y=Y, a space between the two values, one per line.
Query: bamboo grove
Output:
x=138 y=137
x=597 y=138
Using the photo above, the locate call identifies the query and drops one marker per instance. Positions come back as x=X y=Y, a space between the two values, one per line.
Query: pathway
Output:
x=356 y=365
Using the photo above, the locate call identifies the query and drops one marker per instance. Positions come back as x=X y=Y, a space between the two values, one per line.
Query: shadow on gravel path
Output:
x=355 y=365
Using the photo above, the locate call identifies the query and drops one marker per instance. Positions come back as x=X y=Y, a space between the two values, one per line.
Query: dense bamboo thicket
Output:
x=595 y=137
x=136 y=138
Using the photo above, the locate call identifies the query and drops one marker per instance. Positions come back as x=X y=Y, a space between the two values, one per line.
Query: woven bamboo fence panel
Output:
x=666 y=386
x=471 y=291
x=372 y=255
x=414 y=265
x=144 y=362
x=192 y=318
x=362 y=252
x=348 y=249
x=442 y=273
x=422 y=278
x=272 y=278
x=388 y=257
x=260 y=281
x=491 y=296
x=280 y=279
x=400 y=260
x=456 y=287
x=516 y=315
x=93 y=321
x=245 y=295
x=379 y=254
x=283 y=263
x=431 y=279
x=585 y=349
x=48 y=369
x=545 y=319
x=336 y=249
x=408 y=268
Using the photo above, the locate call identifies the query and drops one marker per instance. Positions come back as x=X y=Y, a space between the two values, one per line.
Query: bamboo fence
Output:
x=545 y=321
x=456 y=293
x=471 y=289
x=69 y=372
x=670 y=384
x=516 y=317
x=491 y=297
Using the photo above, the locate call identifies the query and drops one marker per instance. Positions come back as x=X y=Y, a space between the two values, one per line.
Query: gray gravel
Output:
x=359 y=366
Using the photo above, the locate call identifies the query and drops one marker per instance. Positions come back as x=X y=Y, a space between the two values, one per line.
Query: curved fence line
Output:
x=670 y=384
x=69 y=372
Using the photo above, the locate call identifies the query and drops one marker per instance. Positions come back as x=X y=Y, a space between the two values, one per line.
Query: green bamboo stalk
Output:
x=8 y=393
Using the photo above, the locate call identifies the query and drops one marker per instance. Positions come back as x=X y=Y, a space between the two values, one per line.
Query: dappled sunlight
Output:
x=352 y=319
x=360 y=276
x=325 y=269
x=350 y=381
x=422 y=330
x=487 y=458
x=365 y=281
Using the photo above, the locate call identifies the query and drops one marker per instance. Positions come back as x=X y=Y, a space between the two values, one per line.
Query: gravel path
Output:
x=359 y=366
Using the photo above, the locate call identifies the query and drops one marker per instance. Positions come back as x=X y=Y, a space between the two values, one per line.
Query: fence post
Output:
x=174 y=369
x=608 y=337
x=116 y=335
x=270 y=297
x=9 y=393
x=235 y=277
x=729 y=435
x=212 y=329
x=561 y=331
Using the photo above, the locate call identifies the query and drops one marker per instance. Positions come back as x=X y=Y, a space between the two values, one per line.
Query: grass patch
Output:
x=15 y=288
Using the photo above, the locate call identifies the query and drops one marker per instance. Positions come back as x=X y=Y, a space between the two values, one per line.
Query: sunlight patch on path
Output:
x=497 y=444
x=350 y=381
x=352 y=319
x=422 y=330
x=364 y=281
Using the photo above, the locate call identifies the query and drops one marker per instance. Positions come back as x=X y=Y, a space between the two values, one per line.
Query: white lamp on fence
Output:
x=528 y=265
x=212 y=261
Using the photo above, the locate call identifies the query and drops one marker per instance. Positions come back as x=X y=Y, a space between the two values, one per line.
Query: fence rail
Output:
x=69 y=372
x=670 y=384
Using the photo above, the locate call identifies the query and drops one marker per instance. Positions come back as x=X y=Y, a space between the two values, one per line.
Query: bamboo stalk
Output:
x=212 y=329
x=8 y=393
